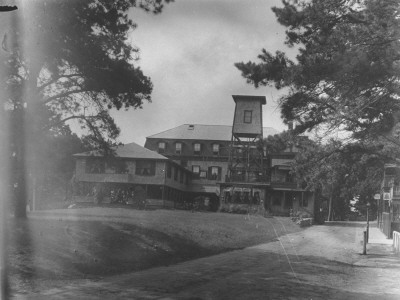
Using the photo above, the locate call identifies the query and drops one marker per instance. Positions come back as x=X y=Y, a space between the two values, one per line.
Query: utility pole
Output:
x=368 y=205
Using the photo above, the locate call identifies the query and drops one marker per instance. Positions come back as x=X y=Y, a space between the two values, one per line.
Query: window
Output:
x=214 y=173
x=175 y=173
x=178 y=148
x=276 y=200
x=95 y=166
x=145 y=168
x=169 y=170
x=215 y=149
x=203 y=174
x=197 y=148
x=304 y=201
x=289 y=177
x=117 y=166
x=184 y=163
x=186 y=178
x=289 y=199
x=196 y=171
x=256 y=198
x=396 y=189
x=161 y=147
x=248 y=116
x=181 y=176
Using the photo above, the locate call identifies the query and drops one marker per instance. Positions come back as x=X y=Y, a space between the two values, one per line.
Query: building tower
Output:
x=246 y=159
x=245 y=184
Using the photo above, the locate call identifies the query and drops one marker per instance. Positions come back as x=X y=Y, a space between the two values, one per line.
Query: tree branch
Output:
x=56 y=79
x=64 y=95
x=82 y=117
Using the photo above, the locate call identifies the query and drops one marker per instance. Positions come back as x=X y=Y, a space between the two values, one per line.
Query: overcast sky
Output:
x=189 y=51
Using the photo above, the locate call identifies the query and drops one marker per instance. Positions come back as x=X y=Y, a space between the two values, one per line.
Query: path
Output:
x=321 y=262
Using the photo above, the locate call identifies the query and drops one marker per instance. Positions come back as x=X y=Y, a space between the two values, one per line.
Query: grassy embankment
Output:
x=91 y=242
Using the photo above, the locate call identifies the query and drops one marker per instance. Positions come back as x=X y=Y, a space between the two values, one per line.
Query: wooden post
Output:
x=367 y=225
x=284 y=200
x=33 y=207
x=365 y=243
x=163 y=196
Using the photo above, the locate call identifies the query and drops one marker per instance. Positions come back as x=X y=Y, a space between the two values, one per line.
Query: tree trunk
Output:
x=18 y=141
x=330 y=206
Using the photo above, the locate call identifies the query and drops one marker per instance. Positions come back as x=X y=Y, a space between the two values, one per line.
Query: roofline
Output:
x=153 y=136
x=122 y=157
x=165 y=130
x=262 y=99
x=165 y=159
x=186 y=139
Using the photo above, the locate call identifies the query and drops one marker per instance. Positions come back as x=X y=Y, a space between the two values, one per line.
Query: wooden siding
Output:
x=253 y=128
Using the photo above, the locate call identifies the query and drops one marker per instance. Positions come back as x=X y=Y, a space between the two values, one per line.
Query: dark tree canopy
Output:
x=65 y=61
x=346 y=74
x=75 y=58
x=341 y=172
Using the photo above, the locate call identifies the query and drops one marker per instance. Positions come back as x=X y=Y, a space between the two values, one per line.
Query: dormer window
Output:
x=215 y=149
x=248 y=115
x=197 y=148
x=161 y=147
x=178 y=148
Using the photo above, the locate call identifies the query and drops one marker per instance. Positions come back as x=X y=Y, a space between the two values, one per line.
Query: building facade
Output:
x=128 y=171
x=229 y=168
x=224 y=164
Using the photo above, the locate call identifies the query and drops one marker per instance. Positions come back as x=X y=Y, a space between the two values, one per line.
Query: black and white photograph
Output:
x=200 y=149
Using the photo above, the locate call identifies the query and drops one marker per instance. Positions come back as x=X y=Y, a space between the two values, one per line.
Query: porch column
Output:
x=284 y=201
x=162 y=194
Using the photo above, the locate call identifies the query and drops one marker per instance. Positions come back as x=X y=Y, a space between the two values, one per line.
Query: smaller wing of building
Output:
x=128 y=169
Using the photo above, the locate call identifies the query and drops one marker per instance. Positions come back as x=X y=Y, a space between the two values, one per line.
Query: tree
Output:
x=276 y=143
x=74 y=58
x=346 y=77
x=346 y=74
x=341 y=172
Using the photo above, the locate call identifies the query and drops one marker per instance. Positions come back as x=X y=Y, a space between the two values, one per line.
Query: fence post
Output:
x=365 y=243
x=396 y=241
x=367 y=222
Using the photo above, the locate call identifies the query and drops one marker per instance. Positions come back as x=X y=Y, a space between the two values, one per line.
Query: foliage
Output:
x=75 y=57
x=275 y=143
x=345 y=77
x=342 y=172
x=66 y=61
x=286 y=140
x=347 y=71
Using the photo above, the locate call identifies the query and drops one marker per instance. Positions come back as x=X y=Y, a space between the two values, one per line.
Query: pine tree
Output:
x=75 y=59
x=346 y=74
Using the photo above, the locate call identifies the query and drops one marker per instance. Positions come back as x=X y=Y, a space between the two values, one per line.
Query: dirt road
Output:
x=321 y=262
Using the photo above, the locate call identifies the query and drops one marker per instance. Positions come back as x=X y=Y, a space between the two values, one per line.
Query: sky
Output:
x=189 y=51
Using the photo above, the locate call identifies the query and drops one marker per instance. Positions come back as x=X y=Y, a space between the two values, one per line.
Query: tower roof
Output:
x=262 y=99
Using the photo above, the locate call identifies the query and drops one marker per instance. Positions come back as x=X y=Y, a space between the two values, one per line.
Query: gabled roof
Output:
x=204 y=132
x=131 y=150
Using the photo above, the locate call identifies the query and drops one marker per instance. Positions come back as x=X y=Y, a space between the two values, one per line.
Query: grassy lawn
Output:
x=96 y=242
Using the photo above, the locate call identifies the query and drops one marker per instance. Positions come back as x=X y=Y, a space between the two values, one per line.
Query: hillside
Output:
x=97 y=242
